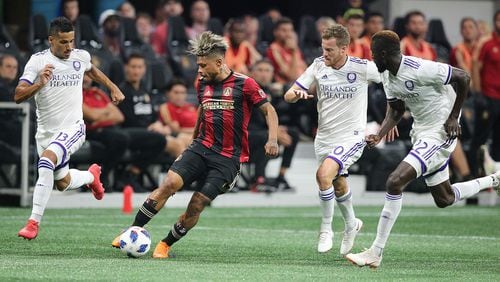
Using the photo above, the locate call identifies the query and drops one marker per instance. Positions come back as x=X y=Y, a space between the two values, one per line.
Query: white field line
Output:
x=274 y=231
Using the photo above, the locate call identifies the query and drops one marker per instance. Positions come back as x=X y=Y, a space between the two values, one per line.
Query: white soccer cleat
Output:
x=496 y=182
x=365 y=258
x=325 y=242
x=348 y=239
x=486 y=162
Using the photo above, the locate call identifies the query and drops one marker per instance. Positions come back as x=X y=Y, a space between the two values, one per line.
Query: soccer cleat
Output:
x=486 y=163
x=116 y=241
x=30 y=231
x=496 y=182
x=348 y=239
x=365 y=258
x=96 y=185
x=161 y=251
x=325 y=241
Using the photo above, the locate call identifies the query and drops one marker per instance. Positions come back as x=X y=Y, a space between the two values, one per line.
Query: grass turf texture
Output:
x=253 y=244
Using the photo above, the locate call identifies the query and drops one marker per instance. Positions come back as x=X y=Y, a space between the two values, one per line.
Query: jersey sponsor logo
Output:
x=324 y=76
x=351 y=77
x=77 y=65
x=227 y=91
x=60 y=80
x=410 y=85
x=336 y=91
x=216 y=104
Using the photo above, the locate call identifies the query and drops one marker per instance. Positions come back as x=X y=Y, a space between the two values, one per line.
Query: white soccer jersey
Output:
x=423 y=86
x=342 y=97
x=59 y=102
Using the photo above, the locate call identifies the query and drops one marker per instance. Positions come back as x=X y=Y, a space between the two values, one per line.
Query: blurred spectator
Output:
x=355 y=26
x=322 y=23
x=126 y=10
x=140 y=119
x=240 y=54
x=351 y=7
x=485 y=70
x=461 y=54
x=284 y=52
x=252 y=29
x=8 y=74
x=374 y=22
x=144 y=25
x=167 y=8
x=438 y=40
x=179 y=115
x=200 y=14
x=274 y=13
x=71 y=10
x=110 y=24
x=484 y=29
x=288 y=136
x=414 y=44
x=102 y=119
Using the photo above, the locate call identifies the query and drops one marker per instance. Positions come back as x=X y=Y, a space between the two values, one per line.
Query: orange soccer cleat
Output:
x=96 y=185
x=30 y=231
x=161 y=251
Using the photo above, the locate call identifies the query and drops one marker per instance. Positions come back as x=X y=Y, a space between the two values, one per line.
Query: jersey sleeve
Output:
x=86 y=60
x=385 y=80
x=254 y=93
x=31 y=70
x=307 y=78
x=372 y=74
x=434 y=73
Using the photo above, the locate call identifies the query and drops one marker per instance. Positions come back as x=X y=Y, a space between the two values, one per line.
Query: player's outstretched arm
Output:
x=269 y=112
x=98 y=76
x=24 y=90
x=296 y=93
x=395 y=110
x=462 y=82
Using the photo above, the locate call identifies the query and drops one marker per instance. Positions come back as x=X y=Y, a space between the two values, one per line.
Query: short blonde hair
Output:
x=208 y=44
x=339 y=32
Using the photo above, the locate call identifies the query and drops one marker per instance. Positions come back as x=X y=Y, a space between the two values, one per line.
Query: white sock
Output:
x=43 y=188
x=79 y=178
x=388 y=217
x=326 y=203
x=464 y=190
x=345 y=205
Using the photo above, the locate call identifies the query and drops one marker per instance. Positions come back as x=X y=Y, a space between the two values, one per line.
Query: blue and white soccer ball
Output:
x=135 y=241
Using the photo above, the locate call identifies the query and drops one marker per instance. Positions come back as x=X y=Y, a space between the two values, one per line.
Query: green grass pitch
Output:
x=271 y=244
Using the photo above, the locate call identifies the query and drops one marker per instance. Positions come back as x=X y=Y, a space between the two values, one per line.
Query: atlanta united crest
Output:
x=351 y=77
x=227 y=91
x=76 y=65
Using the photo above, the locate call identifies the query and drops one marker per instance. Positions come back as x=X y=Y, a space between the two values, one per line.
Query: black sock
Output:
x=145 y=213
x=175 y=234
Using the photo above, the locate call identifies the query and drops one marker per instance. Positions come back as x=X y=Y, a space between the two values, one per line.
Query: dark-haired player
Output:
x=220 y=140
x=54 y=77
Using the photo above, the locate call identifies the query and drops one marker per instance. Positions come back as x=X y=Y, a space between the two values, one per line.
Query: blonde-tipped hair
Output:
x=339 y=32
x=208 y=44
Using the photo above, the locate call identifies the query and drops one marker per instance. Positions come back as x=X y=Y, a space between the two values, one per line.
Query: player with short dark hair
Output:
x=54 y=77
x=424 y=87
x=220 y=140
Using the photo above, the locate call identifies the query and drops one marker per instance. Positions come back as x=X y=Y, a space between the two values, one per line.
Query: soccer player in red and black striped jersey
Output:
x=220 y=139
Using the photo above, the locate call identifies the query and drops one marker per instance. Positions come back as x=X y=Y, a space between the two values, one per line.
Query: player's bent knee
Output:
x=323 y=178
x=394 y=184
x=443 y=202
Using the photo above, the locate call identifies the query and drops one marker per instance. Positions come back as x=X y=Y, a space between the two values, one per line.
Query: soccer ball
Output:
x=135 y=241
